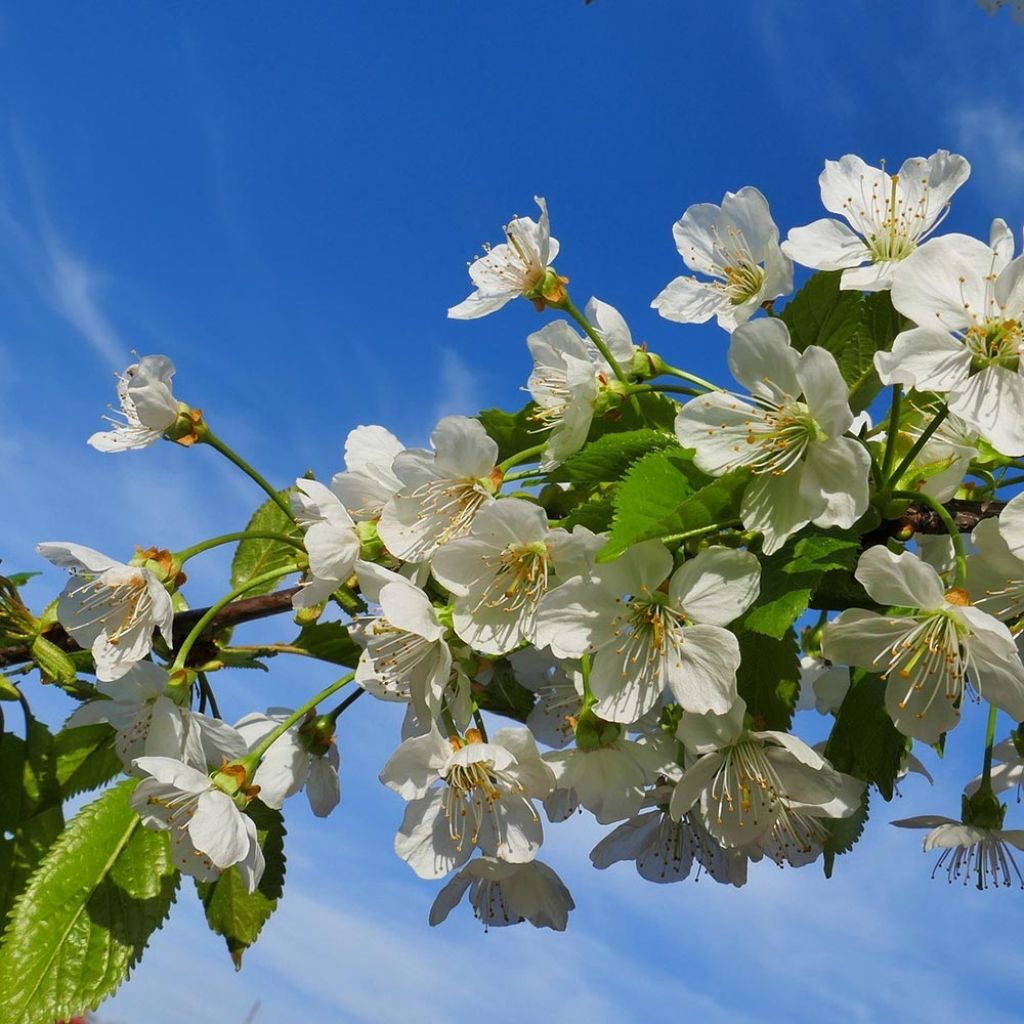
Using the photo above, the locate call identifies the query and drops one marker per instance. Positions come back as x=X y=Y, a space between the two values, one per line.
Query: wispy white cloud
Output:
x=67 y=282
x=991 y=133
x=458 y=387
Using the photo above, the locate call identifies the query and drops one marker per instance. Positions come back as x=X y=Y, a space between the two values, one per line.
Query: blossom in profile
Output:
x=367 y=482
x=735 y=246
x=147 y=405
x=970 y=852
x=109 y=607
x=967 y=301
x=789 y=434
x=504 y=894
x=995 y=575
x=330 y=540
x=888 y=216
x=517 y=267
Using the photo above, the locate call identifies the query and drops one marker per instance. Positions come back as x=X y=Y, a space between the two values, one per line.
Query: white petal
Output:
x=717 y=586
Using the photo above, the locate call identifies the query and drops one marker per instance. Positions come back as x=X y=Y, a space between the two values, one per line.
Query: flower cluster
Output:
x=627 y=574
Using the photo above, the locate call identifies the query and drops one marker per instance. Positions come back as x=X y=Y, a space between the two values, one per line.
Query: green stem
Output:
x=947 y=522
x=893 y=433
x=674 y=371
x=185 y=554
x=526 y=455
x=479 y=720
x=1011 y=481
x=524 y=474
x=700 y=531
x=197 y=629
x=908 y=459
x=595 y=336
x=990 y=737
x=206 y=436
x=675 y=389
x=253 y=757
x=345 y=704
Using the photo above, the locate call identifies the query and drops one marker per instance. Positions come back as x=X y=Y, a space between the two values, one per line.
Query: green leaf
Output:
x=657 y=498
x=329 y=641
x=31 y=811
x=595 y=514
x=85 y=758
x=844 y=832
x=259 y=555
x=790 y=575
x=846 y=323
x=864 y=742
x=513 y=431
x=607 y=458
x=8 y=691
x=769 y=678
x=503 y=694
x=87 y=914
x=19 y=579
x=233 y=912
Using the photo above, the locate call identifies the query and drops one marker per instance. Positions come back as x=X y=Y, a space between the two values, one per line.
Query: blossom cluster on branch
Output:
x=652 y=573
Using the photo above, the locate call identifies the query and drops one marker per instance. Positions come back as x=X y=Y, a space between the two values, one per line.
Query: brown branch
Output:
x=246 y=609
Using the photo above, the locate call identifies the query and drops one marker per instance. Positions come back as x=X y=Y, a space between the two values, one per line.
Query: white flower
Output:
x=1007 y=770
x=405 y=656
x=208 y=832
x=665 y=850
x=441 y=490
x=501 y=570
x=790 y=434
x=289 y=764
x=737 y=246
x=967 y=299
x=646 y=638
x=821 y=687
x=559 y=695
x=330 y=541
x=745 y=784
x=940 y=466
x=995 y=576
x=502 y=894
x=149 y=723
x=109 y=607
x=147 y=405
x=971 y=852
x=929 y=649
x=367 y=483
x=485 y=798
x=608 y=781
x=889 y=215
x=569 y=374
x=516 y=267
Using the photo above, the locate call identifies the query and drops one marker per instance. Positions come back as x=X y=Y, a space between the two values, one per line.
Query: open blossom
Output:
x=208 y=831
x=789 y=433
x=367 y=483
x=148 y=722
x=330 y=541
x=665 y=850
x=504 y=894
x=821 y=687
x=568 y=375
x=519 y=266
x=736 y=245
x=110 y=608
x=499 y=573
x=405 y=655
x=289 y=764
x=743 y=784
x=147 y=405
x=442 y=490
x=995 y=576
x=967 y=300
x=467 y=793
x=888 y=216
x=970 y=852
x=930 y=649
x=647 y=638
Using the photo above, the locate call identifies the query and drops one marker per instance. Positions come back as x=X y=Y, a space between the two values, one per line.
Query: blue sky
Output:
x=283 y=198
